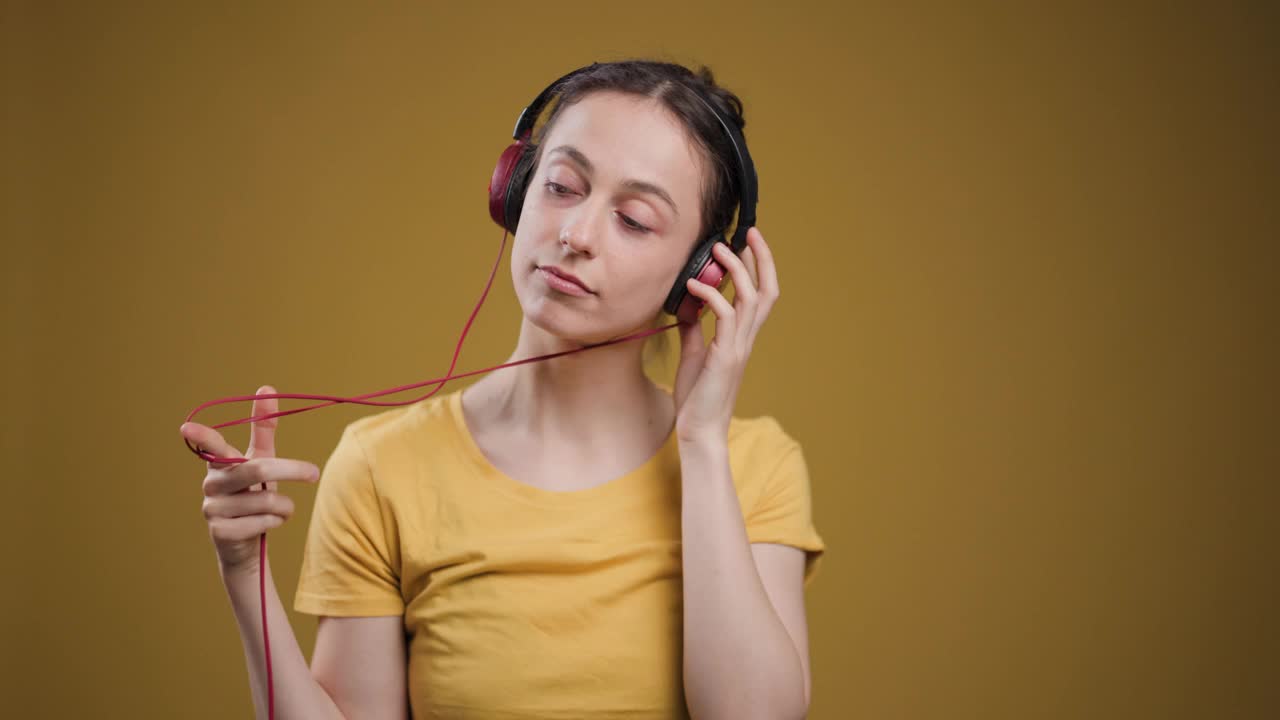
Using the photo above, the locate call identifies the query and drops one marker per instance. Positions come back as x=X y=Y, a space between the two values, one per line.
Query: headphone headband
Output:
x=529 y=116
x=748 y=183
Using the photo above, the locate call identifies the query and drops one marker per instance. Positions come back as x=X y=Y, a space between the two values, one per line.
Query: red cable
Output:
x=361 y=400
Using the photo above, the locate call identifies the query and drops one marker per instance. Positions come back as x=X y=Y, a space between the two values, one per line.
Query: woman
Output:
x=566 y=538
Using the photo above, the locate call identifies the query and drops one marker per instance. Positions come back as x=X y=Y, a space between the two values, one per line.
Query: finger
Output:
x=242 y=528
x=768 y=270
x=745 y=299
x=206 y=439
x=250 y=503
x=692 y=346
x=259 y=471
x=262 y=433
x=725 y=315
x=693 y=349
x=263 y=471
x=752 y=264
x=742 y=281
x=768 y=275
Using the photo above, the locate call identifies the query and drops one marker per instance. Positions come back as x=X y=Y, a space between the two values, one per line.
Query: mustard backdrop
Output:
x=1027 y=332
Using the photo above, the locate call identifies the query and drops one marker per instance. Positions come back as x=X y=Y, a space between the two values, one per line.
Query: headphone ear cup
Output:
x=701 y=265
x=520 y=177
x=501 y=181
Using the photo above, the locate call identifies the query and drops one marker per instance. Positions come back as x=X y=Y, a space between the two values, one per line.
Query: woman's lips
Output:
x=564 y=285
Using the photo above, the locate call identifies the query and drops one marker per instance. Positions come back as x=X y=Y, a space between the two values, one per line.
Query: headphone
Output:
x=511 y=178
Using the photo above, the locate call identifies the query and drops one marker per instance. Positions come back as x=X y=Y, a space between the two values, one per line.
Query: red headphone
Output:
x=511 y=177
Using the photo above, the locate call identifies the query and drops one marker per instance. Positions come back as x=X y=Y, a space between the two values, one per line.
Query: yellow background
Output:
x=1027 y=333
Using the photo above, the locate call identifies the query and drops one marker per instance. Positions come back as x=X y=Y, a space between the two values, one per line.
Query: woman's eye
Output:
x=557 y=189
x=632 y=224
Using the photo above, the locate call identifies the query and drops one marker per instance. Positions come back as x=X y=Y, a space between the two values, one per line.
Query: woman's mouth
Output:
x=562 y=284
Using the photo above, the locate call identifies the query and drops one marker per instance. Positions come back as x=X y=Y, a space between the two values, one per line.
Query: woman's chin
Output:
x=572 y=327
x=572 y=331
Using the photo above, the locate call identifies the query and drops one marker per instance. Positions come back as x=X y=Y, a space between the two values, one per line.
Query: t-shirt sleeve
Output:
x=784 y=513
x=349 y=559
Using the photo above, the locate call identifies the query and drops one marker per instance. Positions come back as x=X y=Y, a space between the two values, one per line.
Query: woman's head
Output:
x=628 y=172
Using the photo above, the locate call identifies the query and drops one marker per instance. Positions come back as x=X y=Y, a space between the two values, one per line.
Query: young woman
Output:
x=565 y=538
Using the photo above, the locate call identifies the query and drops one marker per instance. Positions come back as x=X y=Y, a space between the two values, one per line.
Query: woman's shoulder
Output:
x=763 y=432
x=757 y=446
x=407 y=425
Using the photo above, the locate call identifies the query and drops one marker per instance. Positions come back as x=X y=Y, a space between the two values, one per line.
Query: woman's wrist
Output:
x=702 y=446
x=237 y=573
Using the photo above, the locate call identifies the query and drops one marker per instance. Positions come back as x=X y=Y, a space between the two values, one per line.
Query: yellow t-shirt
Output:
x=520 y=602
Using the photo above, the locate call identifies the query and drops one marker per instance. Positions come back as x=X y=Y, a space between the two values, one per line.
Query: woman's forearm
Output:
x=739 y=660
x=297 y=694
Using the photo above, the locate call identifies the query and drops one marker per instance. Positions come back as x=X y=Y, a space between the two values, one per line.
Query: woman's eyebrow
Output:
x=636 y=185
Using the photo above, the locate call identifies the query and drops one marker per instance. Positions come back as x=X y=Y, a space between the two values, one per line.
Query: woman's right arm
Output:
x=297 y=693
x=357 y=670
x=359 y=663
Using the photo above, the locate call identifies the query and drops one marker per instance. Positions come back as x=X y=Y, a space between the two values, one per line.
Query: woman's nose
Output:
x=579 y=234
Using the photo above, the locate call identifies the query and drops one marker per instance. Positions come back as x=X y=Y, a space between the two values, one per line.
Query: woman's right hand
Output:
x=236 y=510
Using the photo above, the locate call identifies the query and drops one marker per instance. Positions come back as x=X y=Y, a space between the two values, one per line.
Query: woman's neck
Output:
x=594 y=397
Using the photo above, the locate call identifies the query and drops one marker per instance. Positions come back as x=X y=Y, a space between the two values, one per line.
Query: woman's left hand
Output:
x=707 y=380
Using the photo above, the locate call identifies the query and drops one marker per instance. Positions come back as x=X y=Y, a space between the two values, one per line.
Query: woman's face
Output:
x=616 y=202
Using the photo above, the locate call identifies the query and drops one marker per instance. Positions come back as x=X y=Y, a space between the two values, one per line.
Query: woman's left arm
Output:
x=745 y=635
